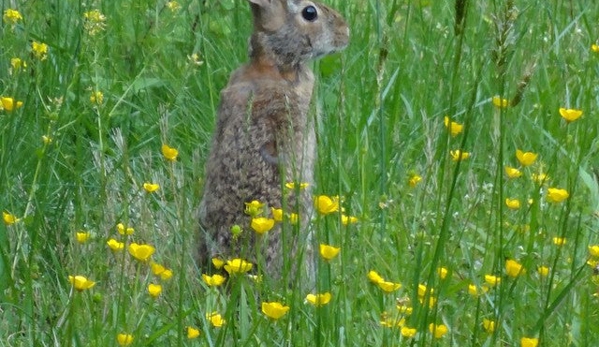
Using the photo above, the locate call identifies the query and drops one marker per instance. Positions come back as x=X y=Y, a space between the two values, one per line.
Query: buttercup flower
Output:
x=94 y=22
x=115 y=245
x=543 y=271
x=163 y=272
x=40 y=50
x=192 y=333
x=595 y=48
x=274 y=310
x=570 y=115
x=328 y=252
x=557 y=195
x=423 y=290
x=261 y=224
x=9 y=104
x=374 y=277
x=154 y=290
x=124 y=339
x=214 y=280
x=529 y=342
x=559 y=241
x=237 y=265
x=319 y=299
x=12 y=16
x=489 y=325
x=277 y=214
x=9 y=218
x=124 y=230
x=327 y=205
x=82 y=236
x=499 y=102
x=414 y=180
x=526 y=158
x=404 y=309
x=16 y=65
x=166 y=275
x=218 y=263
x=346 y=220
x=391 y=322
x=215 y=319
x=492 y=280
x=169 y=153
x=438 y=330
x=513 y=268
x=254 y=208
x=512 y=172
x=459 y=155
x=300 y=186
x=442 y=272
x=407 y=332
x=513 y=204
x=151 y=187
x=454 y=128
x=476 y=291
x=141 y=252
x=594 y=251
x=96 y=97
x=388 y=286
x=81 y=283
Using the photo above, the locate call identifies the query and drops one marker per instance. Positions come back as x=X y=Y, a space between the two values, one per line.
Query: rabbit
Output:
x=264 y=137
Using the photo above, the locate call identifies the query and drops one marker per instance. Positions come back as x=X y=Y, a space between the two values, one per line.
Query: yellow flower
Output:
x=458 y=155
x=97 y=98
x=513 y=204
x=543 y=271
x=192 y=333
x=81 y=283
x=12 y=16
x=529 y=342
x=559 y=241
x=512 y=172
x=17 y=64
x=513 y=268
x=594 y=251
x=374 y=277
x=253 y=208
x=274 y=310
x=392 y=323
x=40 y=50
x=293 y=218
x=499 y=102
x=388 y=286
x=569 y=114
x=438 y=330
x=319 y=299
x=262 y=224
x=124 y=230
x=492 y=280
x=423 y=291
x=163 y=272
x=94 y=22
x=141 y=252
x=9 y=218
x=346 y=220
x=595 y=48
x=454 y=128
x=277 y=214
x=218 y=263
x=166 y=275
x=557 y=195
x=214 y=280
x=9 y=104
x=82 y=236
x=489 y=325
x=327 y=205
x=154 y=290
x=476 y=291
x=169 y=153
x=115 y=245
x=442 y=272
x=151 y=187
x=292 y=185
x=408 y=332
x=215 y=319
x=173 y=6
x=328 y=252
x=124 y=339
x=539 y=178
x=237 y=265
x=526 y=158
x=414 y=180
x=46 y=140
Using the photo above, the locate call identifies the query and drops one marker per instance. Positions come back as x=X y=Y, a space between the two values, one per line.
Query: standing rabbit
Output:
x=264 y=137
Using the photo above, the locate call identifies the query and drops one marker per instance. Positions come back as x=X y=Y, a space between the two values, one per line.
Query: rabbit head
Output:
x=291 y=32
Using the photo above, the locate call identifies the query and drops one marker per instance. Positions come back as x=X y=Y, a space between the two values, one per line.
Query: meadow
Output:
x=457 y=177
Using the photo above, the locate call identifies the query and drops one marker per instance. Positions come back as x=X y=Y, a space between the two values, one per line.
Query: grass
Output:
x=380 y=105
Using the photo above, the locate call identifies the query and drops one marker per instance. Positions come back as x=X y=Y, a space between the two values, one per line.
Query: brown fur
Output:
x=264 y=137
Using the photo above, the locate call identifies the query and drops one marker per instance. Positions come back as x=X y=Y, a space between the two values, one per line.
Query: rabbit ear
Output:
x=269 y=15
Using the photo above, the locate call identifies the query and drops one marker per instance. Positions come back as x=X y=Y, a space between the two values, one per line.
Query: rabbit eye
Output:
x=309 y=13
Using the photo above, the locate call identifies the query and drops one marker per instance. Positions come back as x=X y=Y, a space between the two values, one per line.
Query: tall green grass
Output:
x=380 y=108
